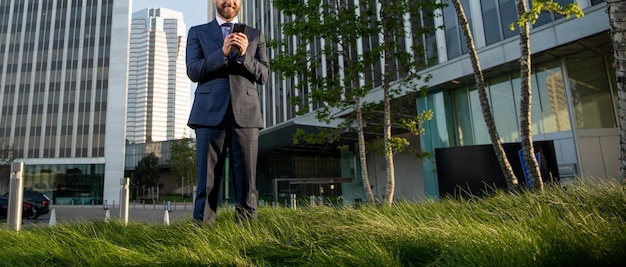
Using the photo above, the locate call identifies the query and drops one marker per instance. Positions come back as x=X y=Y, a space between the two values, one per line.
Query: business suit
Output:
x=225 y=114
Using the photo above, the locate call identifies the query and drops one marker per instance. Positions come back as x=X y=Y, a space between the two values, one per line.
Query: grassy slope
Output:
x=583 y=225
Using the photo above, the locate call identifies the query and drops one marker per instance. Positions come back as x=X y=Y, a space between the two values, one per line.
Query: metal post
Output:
x=124 y=198
x=193 y=201
x=16 y=193
x=293 y=201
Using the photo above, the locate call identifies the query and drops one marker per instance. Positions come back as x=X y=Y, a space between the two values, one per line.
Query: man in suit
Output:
x=226 y=113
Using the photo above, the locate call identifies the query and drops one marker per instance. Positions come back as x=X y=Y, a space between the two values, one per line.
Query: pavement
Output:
x=136 y=213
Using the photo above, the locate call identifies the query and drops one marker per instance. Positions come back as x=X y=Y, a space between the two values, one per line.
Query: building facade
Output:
x=574 y=98
x=63 y=85
x=158 y=86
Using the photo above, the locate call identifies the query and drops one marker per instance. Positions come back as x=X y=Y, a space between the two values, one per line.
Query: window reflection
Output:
x=591 y=91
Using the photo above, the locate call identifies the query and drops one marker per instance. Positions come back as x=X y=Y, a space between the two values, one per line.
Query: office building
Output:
x=63 y=85
x=574 y=100
x=158 y=86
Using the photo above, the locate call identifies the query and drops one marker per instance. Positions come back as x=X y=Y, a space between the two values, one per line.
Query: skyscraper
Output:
x=158 y=87
x=63 y=84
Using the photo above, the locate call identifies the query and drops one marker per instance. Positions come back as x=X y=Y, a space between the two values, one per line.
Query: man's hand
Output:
x=235 y=41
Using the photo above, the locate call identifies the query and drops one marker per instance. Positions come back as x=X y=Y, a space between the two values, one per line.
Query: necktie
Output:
x=226 y=29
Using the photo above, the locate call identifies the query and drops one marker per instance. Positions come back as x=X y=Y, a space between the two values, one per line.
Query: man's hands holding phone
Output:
x=237 y=41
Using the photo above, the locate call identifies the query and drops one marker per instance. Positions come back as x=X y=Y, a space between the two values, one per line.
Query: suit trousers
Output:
x=212 y=144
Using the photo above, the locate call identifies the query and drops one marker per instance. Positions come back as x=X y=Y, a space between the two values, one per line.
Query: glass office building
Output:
x=63 y=85
x=574 y=97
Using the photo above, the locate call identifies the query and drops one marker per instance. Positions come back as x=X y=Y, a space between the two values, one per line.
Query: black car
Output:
x=28 y=210
x=41 y=203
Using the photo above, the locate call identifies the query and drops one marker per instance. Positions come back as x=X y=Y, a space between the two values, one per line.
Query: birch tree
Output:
x=617 y=12
x=528 y=16
x=326 y=63
x=503 y=161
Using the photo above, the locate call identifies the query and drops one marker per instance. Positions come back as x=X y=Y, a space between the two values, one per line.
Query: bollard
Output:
x=105 y=205
x=53 y=218
x=293 y=201
x=107 y=216
x=166 y=218
x=16 y=193
x=169 y=206
x=193 y=198
x=312 y=201
x=124 y=198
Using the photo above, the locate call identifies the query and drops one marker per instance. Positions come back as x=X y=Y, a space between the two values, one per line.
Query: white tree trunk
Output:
x=617 y=15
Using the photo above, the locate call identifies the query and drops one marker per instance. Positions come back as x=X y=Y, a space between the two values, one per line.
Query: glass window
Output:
x=552 y=96
x=508 y=15
x=463 y=117
x=490 y=21
x=504 y=108
x=481 y=135
x=452 y=32
x=596 y=2
x=591 y=93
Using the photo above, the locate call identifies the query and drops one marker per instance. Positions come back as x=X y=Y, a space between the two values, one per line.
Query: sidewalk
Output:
x=148 y=213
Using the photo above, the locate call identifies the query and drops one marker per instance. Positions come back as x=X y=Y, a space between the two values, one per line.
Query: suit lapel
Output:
x=216 y=33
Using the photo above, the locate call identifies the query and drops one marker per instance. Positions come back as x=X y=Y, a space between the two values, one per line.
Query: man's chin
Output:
x=228 y=14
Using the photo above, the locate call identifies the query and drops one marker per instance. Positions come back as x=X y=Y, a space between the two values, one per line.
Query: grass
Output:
x=581 y=225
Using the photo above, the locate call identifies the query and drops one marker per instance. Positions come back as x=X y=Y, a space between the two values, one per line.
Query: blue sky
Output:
x=194 y=11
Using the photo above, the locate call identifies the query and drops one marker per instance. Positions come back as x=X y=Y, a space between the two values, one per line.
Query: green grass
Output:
x=582 y=225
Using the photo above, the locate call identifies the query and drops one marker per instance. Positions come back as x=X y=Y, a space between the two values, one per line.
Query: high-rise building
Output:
x=574 y=99
x=158 y=86
x=63 y=85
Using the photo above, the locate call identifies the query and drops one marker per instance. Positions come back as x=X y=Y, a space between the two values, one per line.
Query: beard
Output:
x=227 y=11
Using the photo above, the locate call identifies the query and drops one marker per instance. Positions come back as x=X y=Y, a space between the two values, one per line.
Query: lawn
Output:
x=583 y=224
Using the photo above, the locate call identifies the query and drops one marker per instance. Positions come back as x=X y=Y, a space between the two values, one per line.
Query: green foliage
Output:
x=329 y=34
x=539 y=6
x=7 y=155
x=580 y=225
x=183 y=159
x=147 y=172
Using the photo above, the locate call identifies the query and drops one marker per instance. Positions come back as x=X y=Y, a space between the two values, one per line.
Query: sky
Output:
x=194 y=11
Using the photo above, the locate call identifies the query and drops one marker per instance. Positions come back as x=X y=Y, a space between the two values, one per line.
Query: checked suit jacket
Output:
x=221 y=81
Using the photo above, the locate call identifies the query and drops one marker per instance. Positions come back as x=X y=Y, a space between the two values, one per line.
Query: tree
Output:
x=146 y=172
x=617 y=11
x=7 y=156
x=526 y=17
x=327 y=63
x=505 y=166
x=183 y=160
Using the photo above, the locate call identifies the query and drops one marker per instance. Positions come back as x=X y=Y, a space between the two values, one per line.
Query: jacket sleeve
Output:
x=203 y=60
x=258 y=65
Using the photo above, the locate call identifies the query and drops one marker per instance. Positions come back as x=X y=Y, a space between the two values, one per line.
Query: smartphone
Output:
x=239 y=27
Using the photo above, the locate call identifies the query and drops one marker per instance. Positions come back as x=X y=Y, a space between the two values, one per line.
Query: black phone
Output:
x=239 y=27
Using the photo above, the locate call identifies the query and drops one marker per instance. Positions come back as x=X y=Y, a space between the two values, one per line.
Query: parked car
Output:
x=41 y=203
x=28 y=208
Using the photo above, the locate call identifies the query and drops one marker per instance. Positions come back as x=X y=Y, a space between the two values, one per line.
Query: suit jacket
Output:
x=221 y=81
